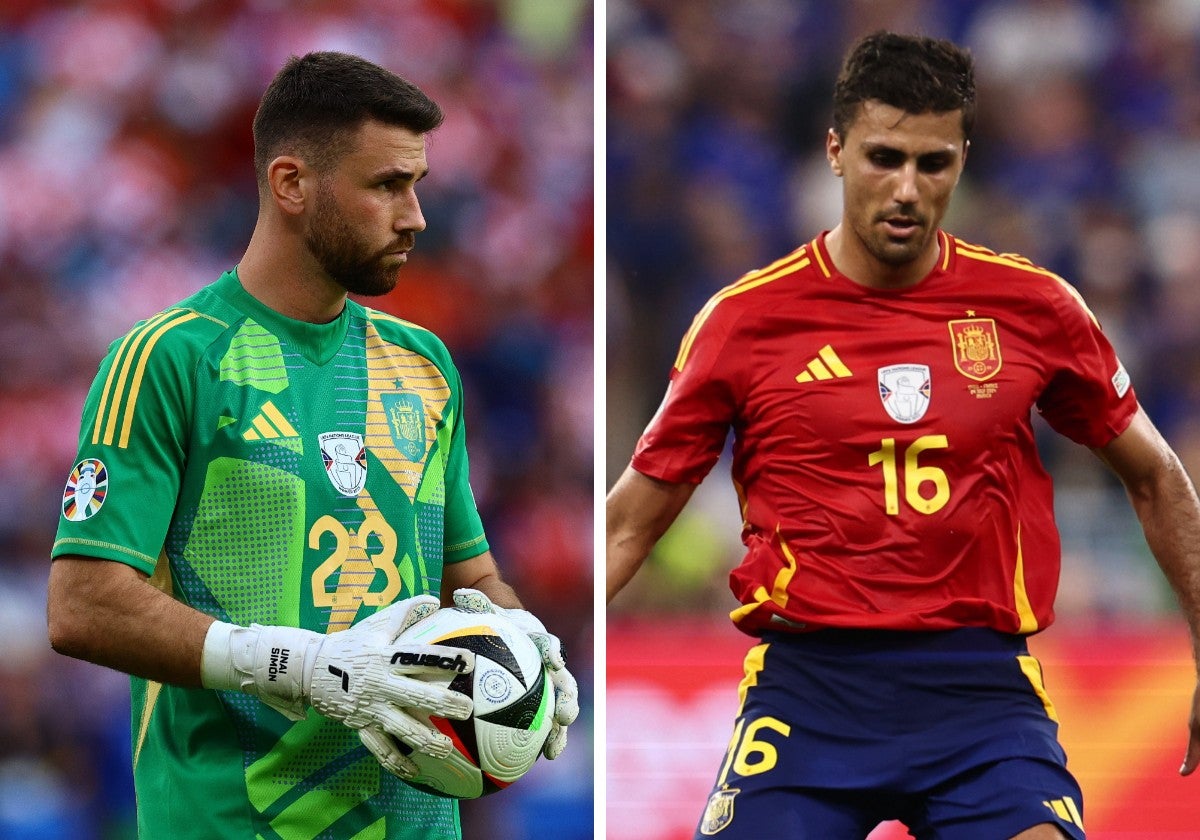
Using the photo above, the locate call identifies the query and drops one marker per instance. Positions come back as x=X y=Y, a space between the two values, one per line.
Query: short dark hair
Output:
x=914 y=73
x=317 y=101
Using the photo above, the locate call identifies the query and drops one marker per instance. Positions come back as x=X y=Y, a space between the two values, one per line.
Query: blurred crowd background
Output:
x=1085 y=159
x=126 y=182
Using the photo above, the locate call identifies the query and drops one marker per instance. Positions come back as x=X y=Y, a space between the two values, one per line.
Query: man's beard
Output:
x=342 y=253
x=890 y=252
x=896 y=254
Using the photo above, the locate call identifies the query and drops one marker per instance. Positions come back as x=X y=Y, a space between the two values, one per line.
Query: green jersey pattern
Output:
x=267 y=470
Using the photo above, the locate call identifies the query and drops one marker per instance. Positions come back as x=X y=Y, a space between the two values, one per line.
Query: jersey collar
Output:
x=316 y=342
x=824 y=263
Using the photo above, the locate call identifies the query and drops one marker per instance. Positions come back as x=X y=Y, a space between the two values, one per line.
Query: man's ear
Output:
x=833 y=152
x=289 y=179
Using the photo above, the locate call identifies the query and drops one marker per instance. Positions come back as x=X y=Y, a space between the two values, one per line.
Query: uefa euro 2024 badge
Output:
x=345 y=458
x=85 y=491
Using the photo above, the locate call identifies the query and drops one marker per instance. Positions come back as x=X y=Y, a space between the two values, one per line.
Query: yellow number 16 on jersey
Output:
x=915 y=475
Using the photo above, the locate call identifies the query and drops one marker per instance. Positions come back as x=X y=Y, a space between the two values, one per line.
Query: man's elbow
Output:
x=63 y=626
x=67 y=612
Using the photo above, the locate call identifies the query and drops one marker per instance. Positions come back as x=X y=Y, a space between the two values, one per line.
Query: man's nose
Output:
x=409 y=215
x=904 y=190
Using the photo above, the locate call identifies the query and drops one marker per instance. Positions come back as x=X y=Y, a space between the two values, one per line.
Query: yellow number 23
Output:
x=352 y=557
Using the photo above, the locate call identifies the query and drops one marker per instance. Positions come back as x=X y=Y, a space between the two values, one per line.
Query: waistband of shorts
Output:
x=846 y=640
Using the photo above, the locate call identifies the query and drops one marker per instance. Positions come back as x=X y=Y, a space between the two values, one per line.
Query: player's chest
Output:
x=341 y=428
x=890 y=370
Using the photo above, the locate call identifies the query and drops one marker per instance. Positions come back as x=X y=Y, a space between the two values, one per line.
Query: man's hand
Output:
x=566 y=690
x=1192 y=758
x=352 y=676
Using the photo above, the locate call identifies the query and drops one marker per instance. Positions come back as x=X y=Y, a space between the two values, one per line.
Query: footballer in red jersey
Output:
x=884 y=448
x=900 y=541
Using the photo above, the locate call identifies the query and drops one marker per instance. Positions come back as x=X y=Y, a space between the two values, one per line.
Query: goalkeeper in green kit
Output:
x=271 y=485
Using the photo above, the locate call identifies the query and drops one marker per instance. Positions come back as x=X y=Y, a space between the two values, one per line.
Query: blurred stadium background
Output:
x=1086 y=159
x=126 y=182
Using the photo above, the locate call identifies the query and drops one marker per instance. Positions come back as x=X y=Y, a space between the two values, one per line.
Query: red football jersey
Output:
x=883 y=448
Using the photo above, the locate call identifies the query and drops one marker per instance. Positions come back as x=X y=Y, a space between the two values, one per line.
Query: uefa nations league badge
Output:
x=85 y=491
x=345 y=458
x=905 y=391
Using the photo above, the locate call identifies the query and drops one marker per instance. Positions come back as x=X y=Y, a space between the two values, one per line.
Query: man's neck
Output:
x=278 y=272
x=852 y=259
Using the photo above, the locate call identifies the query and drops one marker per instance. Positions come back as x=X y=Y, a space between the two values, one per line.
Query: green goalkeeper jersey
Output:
x=267 y=470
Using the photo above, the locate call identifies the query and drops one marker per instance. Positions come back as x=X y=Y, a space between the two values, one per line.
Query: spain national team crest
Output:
x=905 y=391
x=976 y=348
x=406 y=421
x=86 y=489
x=718 y=814
x=345 y=458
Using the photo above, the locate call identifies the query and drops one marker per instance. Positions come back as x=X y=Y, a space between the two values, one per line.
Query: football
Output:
x=513 y=699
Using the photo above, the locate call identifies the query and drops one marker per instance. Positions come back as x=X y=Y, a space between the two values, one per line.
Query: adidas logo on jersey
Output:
x=269 y=424
x=827 y=365
x=1065 y=809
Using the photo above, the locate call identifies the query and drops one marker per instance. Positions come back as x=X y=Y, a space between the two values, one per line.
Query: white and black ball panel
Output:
x=513 y=705
x=490 y=645
x=509 y=739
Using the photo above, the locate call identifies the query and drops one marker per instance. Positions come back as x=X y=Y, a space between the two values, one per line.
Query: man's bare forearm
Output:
x=1170 y=519
x=108 y=613
x=638 y=511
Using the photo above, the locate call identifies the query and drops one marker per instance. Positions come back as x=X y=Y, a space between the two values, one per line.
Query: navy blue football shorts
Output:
x=950 y=732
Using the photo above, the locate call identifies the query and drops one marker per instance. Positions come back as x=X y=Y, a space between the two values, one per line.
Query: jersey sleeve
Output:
x=120 y=496
x=1089 y=398
x=464 y=535
x=686 y=435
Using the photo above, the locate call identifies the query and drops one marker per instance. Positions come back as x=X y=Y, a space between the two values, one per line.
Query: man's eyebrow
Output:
x=401 y=174
x=869 y=146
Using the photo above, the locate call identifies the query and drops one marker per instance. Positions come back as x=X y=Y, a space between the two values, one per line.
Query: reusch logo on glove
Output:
x=432 y=659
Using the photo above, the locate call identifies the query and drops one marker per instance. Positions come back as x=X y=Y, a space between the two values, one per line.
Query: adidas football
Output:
x=513 y=700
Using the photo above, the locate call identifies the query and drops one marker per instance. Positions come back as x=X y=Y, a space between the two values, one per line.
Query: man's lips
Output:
x=399 y=251
x=901 y=225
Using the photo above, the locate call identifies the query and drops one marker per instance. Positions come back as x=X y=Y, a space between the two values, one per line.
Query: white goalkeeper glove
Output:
x=566 y=690
x=358 y=676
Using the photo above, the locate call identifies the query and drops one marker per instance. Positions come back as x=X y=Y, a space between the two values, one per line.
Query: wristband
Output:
x=270 y=662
